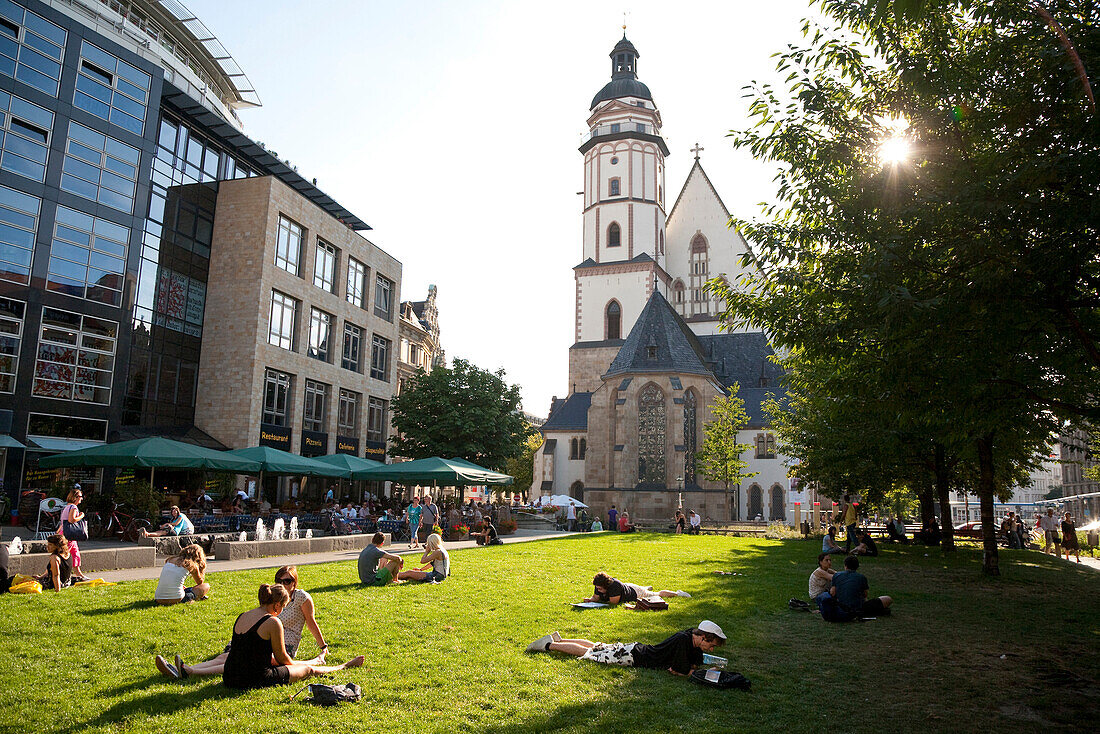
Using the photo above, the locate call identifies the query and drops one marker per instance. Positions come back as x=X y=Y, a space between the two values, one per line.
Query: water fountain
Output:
x=261 y=531
x=278 y=529
x=244 y=536
x=293 y=535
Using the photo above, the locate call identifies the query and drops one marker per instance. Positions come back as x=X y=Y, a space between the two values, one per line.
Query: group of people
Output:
x=689 y=523
x=619 y=520
x=380 y=568
x=859 y=543
x=1057 y=536
x=842 y=595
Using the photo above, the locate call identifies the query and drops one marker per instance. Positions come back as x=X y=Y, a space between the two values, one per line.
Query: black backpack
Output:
x=323 y=695
x=721 y=679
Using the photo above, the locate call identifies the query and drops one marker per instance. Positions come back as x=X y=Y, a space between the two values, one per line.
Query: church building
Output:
x=648 y=357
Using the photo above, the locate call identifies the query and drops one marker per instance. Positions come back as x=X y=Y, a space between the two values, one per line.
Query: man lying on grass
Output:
x=610 y=590
x=680 y=654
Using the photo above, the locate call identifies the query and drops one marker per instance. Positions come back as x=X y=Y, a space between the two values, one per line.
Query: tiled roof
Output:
x=570 y=415
x=660 y=341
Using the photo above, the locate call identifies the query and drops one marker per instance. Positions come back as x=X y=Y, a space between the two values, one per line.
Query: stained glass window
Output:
x=689 y=438
x=651 y=435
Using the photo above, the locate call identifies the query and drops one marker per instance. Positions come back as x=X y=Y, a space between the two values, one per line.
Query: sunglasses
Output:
x=287 y=581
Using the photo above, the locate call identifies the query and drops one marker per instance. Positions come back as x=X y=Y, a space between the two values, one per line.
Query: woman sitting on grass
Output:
x=297 y=615
x=191 y=561
x=257 y=655
x=680 y=654
x=59 y=570
x=612 y=591
x=436 y=557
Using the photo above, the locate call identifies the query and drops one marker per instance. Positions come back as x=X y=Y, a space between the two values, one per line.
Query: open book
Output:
x=590 y=605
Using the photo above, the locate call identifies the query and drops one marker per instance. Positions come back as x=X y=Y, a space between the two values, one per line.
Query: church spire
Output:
x=624 y=59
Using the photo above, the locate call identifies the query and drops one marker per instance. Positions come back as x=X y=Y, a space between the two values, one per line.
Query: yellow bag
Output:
x=94 y=583
x=25 y=585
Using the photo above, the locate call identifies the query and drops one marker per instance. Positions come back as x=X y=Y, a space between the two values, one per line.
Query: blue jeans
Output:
x=820 y=597
x=851 y=531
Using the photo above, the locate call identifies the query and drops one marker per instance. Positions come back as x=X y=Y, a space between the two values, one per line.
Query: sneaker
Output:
x=180 y=667
x=683 y=594
x=166 y=669
x=542 y=644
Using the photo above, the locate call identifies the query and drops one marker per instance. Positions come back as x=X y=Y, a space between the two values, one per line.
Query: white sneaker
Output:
x=540 y=645
x=683 y=594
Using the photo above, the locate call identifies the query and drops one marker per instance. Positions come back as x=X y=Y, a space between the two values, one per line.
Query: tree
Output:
x=720 y=456
x=460 y=411
x=522 y=467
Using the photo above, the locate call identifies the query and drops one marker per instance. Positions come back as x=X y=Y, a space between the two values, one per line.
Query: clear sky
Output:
x=452 y=129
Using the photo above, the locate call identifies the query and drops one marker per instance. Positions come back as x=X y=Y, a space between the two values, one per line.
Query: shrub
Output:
x=781 y=531
x=141 y=497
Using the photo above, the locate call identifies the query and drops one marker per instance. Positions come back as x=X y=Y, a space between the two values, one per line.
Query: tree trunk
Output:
x=927 y=505
x=943 y=492
x=990 y=561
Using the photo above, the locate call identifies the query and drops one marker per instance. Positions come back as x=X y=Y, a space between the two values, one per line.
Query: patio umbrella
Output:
x=152 y=453
x=276 y=461
x=563 y=500
x=355 y=465
x=446 y=472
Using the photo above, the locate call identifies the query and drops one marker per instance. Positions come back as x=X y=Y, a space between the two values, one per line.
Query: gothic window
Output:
x=699 y=272
x=651 y=435
x=689 y=438
x=573 y=449
x=756 y=502
x=584 y=449
x=777 y=511
x=613 y=187
x=661 y=244
x=678 y=291
x=614 y=235
x=765 y=446
x=614 y=320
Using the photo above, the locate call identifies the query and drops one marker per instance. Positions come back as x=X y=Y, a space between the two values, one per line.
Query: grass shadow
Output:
x=169 y=699
x=132 y=606
x=339 y=587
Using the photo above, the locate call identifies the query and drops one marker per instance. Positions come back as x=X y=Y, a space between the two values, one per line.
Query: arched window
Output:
x=584 y=448
x=765 y=446
x=756 y=502
x=689 y=438
x=651 y=435
x=614 y=235
x=777 y=510
x=678 y=291
x=613 y=187
x=613 y=317
x=576 y=491
x=573 y=449
x=661 y=244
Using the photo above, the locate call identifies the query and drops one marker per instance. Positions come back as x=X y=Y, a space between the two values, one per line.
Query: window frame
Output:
x=315 y=406
x=383 y=289
x=350 y=402
x=380 y=345
x=357 y=294
x=356 y=364
x=277 y=381
x=317 y=347
x=287 y=257
x=277 y=338
x=326 y=263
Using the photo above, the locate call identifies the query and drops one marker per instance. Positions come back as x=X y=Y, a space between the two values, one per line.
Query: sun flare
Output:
x=894 y=151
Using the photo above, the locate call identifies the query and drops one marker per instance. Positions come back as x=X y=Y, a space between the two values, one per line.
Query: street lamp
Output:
x=680 y=493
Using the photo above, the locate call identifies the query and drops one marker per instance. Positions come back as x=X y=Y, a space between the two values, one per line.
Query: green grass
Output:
x=450 y=657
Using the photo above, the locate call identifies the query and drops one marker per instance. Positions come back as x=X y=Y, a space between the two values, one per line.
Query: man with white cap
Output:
x=680 y=654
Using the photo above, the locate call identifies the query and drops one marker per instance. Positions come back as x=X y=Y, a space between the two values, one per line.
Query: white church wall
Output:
x=566 y=471
x=629 y=289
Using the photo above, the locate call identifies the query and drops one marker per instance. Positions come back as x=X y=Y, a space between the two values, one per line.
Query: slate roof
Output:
x=621 y=87
x=744 y=359
x=590 y=263
x=570 y=415
x=677 y=348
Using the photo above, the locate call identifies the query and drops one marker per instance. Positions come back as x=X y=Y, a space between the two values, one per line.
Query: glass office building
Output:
x=119 y=118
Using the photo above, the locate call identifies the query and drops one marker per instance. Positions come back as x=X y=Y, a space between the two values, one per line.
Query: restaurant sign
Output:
x=375 y=450
x=314 y=443
x=345 y=445
x=277 y=437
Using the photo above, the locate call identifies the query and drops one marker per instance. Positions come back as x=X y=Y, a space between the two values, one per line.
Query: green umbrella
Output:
x=356 y=465
x=152 y=453
x=445 y=472
x=276 y=461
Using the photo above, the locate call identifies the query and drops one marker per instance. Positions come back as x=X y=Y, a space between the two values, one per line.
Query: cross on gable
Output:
x=696 y=150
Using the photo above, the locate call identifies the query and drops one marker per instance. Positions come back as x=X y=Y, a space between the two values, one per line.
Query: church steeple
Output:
x=624 y=60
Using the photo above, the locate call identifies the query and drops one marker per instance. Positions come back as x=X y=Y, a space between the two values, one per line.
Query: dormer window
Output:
x=651 y=352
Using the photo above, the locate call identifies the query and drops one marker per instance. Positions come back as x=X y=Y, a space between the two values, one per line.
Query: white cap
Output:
x=707 y=626
x=76 y=486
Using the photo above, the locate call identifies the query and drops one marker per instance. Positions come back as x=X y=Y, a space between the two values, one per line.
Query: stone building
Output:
x=420 y=347
x=648 y=358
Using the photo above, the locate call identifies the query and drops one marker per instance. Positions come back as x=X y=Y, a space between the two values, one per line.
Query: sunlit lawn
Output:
x=450 y=657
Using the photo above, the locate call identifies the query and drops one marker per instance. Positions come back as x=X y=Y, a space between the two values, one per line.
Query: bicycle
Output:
x=117 y=525
x=30 y=500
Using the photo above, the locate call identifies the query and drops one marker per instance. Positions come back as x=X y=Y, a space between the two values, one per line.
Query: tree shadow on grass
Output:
x=132 y=606
x=339 y=587
x=166 y=700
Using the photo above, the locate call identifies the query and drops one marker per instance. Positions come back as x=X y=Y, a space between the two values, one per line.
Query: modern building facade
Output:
x=121 y=128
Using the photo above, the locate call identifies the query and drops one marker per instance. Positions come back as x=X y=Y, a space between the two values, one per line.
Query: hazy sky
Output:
x=452 y=129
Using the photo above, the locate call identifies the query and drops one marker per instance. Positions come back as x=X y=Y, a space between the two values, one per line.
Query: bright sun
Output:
x=894 y=151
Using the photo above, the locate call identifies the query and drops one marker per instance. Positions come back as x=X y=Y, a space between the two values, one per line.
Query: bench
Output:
x=91 y=560
x=169 y=545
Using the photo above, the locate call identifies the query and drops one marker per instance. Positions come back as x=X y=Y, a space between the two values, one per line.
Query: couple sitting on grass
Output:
x=680 y=654
x=265 y=640
x=379 y=568
x=842 y=596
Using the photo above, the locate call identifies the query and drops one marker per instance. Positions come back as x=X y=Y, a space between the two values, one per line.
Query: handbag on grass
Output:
x=650 y=605
x=75 y=530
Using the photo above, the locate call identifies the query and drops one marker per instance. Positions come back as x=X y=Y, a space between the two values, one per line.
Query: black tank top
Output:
x=249 y=657
x=64 y=573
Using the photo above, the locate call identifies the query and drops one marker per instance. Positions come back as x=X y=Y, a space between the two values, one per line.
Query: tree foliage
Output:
x=720 y=458
x=522 y=467
x=940 y=313
x=461 y=411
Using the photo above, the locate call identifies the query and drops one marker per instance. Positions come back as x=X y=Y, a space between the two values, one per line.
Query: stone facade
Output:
x=587 y=362
x=243 y=274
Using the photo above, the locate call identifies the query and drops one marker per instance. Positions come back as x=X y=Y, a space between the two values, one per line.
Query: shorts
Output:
x=278 y=675
x=434 y=577
x=1052 y=536
x=383 y=576
x=612 y=653
x=188 y=595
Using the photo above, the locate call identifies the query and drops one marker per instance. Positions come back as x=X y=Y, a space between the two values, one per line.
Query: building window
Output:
x=583 y=449
x=313 y=414
x=639 y=127
x=111 y=89
x=376 y=419
x=651 y=435
x=574 y=450
x=615 y=127
x=100 y=168
x=614 y=320
x=288 y=245
x=75 y=357
x=320 y=334
x=276 y=398
x=414 y=355
x=11 y=337
x=26 y=138
x=613 y=187
x=30 y=48
x=324 y=267
x=383 y=298
x=690 y=437
x=357 y=283
x=614 y=235
x=284 y=320
x=353 y=339
x=88 y=257
x=348 y=419
x=777 y=510
x=18 y=226
x=765 y=446
x=756 y=502
x=380 y=358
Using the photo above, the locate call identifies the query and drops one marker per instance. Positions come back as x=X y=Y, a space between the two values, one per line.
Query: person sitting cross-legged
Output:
x=376 y=566
x=849 y=589
x=435 y=557
x=829 y=544
x=821 y=580
x=867 y=546
x=680 y=654
x=488 y=535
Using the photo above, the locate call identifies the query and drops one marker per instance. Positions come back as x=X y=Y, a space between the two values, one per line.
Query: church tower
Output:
x=624 y=217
